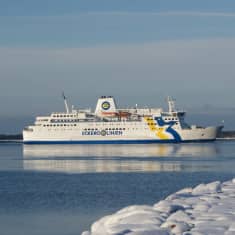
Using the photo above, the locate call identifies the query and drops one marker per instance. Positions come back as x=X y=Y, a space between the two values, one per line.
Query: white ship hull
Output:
x=77 y=136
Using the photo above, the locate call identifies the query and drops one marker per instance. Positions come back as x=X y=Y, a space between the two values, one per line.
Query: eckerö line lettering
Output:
x=103 y=133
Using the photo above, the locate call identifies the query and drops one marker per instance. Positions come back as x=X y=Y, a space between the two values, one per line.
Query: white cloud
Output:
x=166 y=13
x=172 y=53
x=58 y=18
x=200 y=71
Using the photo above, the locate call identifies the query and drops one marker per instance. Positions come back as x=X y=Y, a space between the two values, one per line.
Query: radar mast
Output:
x=171 y=104
x=65 y=103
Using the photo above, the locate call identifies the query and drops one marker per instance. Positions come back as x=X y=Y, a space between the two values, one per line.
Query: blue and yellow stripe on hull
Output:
x=154 y=141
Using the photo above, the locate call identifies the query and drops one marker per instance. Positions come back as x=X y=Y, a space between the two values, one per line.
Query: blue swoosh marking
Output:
x=169 y=129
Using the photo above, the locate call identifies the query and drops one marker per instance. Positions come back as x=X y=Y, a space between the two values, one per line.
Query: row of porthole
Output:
x=171 y=119
x=79 y=120
x=95 y=129
x=54 y=125
x=59 y=116
x=64 y=120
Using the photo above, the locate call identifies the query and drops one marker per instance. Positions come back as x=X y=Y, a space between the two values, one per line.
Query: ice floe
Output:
x=207 y=209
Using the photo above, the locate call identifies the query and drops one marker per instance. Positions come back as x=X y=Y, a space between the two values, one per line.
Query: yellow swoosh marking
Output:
x=159 y=131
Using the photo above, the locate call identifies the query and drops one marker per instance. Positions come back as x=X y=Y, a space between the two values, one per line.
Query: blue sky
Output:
x=62 y=7
x=56 y=23
x=139 y=51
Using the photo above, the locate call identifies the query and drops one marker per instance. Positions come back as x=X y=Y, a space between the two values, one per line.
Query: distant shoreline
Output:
x=226 y=135
x=10 y=141
x=11 y=137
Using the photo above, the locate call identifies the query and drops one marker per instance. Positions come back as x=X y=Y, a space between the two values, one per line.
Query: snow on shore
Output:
x=203 y=210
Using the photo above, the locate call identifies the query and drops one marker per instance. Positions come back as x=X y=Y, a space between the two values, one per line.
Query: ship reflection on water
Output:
x=118 y=158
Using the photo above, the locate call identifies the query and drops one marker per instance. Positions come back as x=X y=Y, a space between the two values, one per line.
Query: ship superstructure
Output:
x=108 y=124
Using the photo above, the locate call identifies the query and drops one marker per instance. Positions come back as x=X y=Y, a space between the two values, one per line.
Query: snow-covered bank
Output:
x=203 y=210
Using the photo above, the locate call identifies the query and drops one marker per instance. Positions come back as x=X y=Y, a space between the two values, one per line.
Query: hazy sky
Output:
x=140 y=51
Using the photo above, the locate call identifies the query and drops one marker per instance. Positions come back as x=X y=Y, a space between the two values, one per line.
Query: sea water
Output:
x=62 y=189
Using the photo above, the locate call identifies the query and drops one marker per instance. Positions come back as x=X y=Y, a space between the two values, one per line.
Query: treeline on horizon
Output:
x=11 y=137
x=226 y=134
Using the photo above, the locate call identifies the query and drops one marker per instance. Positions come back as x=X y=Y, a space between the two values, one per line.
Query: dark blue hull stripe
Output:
x=113 y=141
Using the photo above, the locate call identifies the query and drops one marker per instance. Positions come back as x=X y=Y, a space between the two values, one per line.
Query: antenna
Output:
x=171 y=104
x=65 y=103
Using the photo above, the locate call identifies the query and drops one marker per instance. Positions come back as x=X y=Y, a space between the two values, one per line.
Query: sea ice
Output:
x=207 y=209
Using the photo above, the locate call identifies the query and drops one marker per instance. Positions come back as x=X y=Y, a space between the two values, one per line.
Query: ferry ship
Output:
x=108 y=124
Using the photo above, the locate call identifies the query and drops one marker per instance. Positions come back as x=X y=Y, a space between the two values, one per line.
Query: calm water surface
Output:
x=62 y=189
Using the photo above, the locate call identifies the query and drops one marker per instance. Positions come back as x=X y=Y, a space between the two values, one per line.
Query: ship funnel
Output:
x=106 y=106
